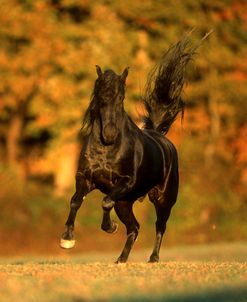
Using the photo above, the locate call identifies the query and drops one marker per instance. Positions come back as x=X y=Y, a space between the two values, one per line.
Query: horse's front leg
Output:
x=67 y=239
x=108 y=225
x=120 y=190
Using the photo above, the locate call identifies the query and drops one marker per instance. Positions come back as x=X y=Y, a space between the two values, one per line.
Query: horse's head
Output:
x=109 y=93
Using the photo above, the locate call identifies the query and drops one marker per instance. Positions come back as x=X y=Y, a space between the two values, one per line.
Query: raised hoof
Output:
x=67 y=244
x=112 y=230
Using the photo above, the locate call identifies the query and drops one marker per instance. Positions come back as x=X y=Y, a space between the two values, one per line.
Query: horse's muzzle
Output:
x=109 y=134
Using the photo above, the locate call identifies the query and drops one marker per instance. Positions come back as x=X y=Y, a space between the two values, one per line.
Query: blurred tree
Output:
x=29 y=46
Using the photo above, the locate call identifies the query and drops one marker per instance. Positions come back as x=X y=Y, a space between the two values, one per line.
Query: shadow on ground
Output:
x=238 y=294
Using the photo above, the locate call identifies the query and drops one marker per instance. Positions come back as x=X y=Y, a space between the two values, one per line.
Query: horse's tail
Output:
x=162 y=97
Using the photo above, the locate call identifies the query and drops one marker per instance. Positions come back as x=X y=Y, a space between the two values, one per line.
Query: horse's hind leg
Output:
x=163 y=214
x=125 y=213
x=67 y=239
x=163 y=202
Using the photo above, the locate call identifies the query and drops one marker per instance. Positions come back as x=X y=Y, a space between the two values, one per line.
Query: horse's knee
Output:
x=76 y=201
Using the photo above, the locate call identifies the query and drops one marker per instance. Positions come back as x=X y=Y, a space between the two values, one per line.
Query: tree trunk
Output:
x=13 y=146
x=66 y=165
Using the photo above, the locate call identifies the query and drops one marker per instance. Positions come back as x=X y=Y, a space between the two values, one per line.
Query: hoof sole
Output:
x=67 y=244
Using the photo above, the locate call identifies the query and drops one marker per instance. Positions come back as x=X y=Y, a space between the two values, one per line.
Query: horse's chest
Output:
x=102 y=173
x=105 y=168
x=104 y=178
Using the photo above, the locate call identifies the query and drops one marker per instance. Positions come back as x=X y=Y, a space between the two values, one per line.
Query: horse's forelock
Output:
x=106 y=85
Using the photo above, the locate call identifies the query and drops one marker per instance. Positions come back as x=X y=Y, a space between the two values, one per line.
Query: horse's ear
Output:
x=99 y=71
x=125 y=74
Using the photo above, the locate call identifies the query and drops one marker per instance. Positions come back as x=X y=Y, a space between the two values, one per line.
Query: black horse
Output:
x=125 y=162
